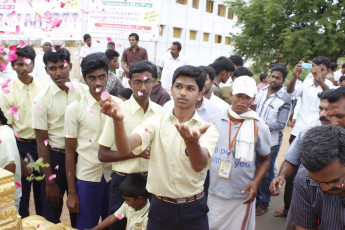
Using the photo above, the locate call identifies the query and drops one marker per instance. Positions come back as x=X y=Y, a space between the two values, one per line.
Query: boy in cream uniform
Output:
x=88 y=194
x=22 y=91
x=137 y=109
x=181 y=146
x=48 y=115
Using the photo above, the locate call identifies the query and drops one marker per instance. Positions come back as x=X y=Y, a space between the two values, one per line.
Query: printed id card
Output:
x=224 y=169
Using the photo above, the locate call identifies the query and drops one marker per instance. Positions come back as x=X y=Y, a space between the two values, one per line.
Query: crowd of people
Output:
x=195 y=150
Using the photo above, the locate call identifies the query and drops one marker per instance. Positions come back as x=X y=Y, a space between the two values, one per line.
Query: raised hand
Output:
x=110 y=108
x=191 y=135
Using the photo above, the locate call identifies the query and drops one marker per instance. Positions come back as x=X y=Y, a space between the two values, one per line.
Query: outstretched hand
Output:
x=193 y=134
x=110 y=108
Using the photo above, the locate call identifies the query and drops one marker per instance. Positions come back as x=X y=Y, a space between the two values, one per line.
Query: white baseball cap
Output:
x=44 y=40
x=246 y=85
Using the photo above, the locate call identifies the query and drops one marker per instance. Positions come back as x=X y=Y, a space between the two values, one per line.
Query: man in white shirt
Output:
x=40 y=68
x=337 y=74
x=169 y=63
x=88 y=48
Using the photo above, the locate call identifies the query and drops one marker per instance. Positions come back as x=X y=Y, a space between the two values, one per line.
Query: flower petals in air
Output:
x=56 y=23
x=118 y=46
x=12 y=57
x=98 y=89
x=2 y=48
x=84 y=11
x=105 y=95
x=65 y=63
x=18 y=184
x=53 y=49
x=45 y=142
x=16 y=135
x=14 y=111
x=120 y=217
x=57 y=167
x=13 y=49
x=144 y=77
x=27 y=61
x=21 y=44
x=91 y=110
x=39 y=107
x=3 y=67
x=140 y=94
x=90 y=141
x=109 y=39
x=69 y=85
x=52 y=177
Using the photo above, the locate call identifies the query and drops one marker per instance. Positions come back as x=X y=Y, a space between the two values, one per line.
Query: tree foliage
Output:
x=287 y=31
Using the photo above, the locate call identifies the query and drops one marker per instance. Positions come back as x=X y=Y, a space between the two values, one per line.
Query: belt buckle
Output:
x=181 y=200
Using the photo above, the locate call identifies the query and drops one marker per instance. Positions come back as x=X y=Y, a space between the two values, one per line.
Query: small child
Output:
x=125 y=93
x=263 y=81
x=136 y=205
x=342 y=81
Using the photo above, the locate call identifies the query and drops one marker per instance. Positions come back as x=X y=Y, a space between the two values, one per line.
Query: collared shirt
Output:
x=48 y=111
x=21 y=96
x=169 y=65
x=218 y=102
x=86 y=50
x=310 y=205
x=136 y=219
x=170 y=170
x=260 y=86
x=275 y=111
x=337 y=74
x=8 y=73
x=241 y=172
x=84 y=121
x=159 y=95
x=309 y=111
x=206 y=110
x=40 y=71
x=134 y=116
x=129 y=57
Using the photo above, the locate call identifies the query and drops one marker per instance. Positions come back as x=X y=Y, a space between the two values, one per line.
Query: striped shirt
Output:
x=275 y=111
x=310 y=205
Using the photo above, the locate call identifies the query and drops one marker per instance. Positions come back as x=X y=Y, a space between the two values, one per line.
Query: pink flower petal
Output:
x=29 y=2
x=57 y=167
x=84 y=11
x=98 y=41
x=18 y=184
x=144 y=77
x=27 y=61
x=146 y=130
x=98 y=89
x=29 y=42
x=90 y=141
x=53 y=49
x=3 y=67
x=159 y=26
x=16 y=116
x=69 y=85
x=118 y=46
x=17 y=29
x=56 y=23
x=13 y=49
x=140 y=94
x=168 y=49
x=6 y=23
x=38 y=226
x=65 y=63
x=62 y=4
x=45 y=142
x=63 y=46
x=52 y=177
x=109 y=39
x=91 y=110
x=105 y=95
x=5 y=91
x=12 y=57
x=21 y=44
x=39 y=107
x=2 y=48
x=16 y=135
x=0 y=141
x=48 y=15
x=12 y=110
x=13 y=13
x=120 y=217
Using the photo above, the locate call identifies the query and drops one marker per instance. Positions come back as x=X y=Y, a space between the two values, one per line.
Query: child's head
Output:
x=111 y=45
x=24 y=64
x=263 y=77
x=125 y=93
x=342 y=80
x=133 y=190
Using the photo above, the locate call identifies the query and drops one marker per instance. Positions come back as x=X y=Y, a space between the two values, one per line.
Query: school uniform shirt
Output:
x=241 y=172
x=48 y=111
x=84 y=121
x=134 y=116
x=136 y=219
x=22 y=97
x=86 y=50
x=170 y=171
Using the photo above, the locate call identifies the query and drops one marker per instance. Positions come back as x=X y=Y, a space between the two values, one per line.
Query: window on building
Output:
x=221 y=10
x=209 y=6
x=218 y=39
x=206 y=37
x=196 y=4
x=227 y=40
x=177 y=32
x=230 y=14
x=183 y=2
x=192 y=35
x=161 y=30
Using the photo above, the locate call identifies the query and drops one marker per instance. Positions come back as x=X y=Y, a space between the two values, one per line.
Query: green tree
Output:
x=287 y=31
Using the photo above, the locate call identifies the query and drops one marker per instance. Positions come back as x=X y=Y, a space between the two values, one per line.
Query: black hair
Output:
x=134 y=185
x=263 y=76
x=86 y=36
x=126 y=93
x=325 y=95
x=191 y=71
x=27 y=52
x=236 y=59
x=343 y=66
x=179 y=46
x=281 y=68
x=111 y=43
x=3 y=119
x=110 y=53
x=140 y=67
x=321 y=146
x=209 y=70
x=333 y=66
x=342 y=78
x=135 y=35
x=154 y=69
x=242 y=71
x=221 y=64
x=60 y=54
x=336 y=94
x=93 y=62
x=322 y=60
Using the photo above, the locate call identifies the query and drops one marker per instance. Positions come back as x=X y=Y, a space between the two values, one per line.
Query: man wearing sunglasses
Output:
x=318 y=200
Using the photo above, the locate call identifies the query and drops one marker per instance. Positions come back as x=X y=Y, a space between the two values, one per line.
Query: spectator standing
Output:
x=88 y=48
x=40 y=70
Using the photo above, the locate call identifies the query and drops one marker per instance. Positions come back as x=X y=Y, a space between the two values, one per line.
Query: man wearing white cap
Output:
x=234 y=176
x=39 y=70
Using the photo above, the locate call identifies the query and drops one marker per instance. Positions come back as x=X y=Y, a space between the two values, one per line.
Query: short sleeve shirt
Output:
x=136 y=219
x=169 y=65
x=129 y=57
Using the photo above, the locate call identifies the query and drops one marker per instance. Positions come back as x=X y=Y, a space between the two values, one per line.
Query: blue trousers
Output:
x=93 y=202
x=50 y=212
x=26 y=147
x=264 y=194
x=168 y=216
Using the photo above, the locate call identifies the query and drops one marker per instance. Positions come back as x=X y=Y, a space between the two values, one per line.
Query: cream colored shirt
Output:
x=84 y=121
x=21 y=96
x=134 y=116
x=170 y=170
x=48 y=111
x=136 y=219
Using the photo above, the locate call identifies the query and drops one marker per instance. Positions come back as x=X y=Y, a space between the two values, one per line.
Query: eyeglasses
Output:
x=140 y=83
x=326 y=185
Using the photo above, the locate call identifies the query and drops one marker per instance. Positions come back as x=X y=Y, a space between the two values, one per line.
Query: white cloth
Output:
x=39 y=69
x=8 y=73
x=219 y=102
x=169 y=65
x=309 y=110
x=243 y=146
x=337 y=74
x=231 y=214
x=85 y=50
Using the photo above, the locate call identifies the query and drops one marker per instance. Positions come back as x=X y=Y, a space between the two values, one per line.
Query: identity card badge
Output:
x=224 y=169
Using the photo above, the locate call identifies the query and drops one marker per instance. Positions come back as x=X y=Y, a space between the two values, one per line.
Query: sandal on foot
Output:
x=279 y=213
x=260 y=210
